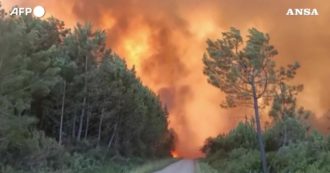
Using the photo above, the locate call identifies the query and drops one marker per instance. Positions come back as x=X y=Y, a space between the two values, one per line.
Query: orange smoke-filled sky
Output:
x=165 y=40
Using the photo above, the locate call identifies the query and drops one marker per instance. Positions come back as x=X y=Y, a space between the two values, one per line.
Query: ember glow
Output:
x=165 y=41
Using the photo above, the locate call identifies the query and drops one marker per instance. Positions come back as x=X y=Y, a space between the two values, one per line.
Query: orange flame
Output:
x=174 y=154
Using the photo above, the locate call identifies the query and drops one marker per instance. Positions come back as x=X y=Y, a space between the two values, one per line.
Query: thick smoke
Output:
x=165 y=40
x=321 y=124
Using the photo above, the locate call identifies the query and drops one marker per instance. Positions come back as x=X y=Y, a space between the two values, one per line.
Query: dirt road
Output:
x=182 y=166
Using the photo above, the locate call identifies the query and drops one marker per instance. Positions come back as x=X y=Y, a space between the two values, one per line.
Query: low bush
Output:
x=290 y=148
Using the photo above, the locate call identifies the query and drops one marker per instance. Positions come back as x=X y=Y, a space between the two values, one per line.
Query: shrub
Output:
x=243 y=136
x=239 y=160
x=290 y=149
x=283 y=133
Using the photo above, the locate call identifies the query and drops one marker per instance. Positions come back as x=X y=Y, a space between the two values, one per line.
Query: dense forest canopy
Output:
x=64 y=93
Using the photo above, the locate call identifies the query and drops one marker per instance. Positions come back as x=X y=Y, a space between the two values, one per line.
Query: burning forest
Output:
x=161 y=45
x=165 y=41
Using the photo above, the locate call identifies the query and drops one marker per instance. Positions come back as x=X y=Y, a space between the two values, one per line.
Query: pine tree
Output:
x=284 y=104
x=246 y=73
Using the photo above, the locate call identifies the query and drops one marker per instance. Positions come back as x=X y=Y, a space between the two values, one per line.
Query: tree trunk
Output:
x=113 y=135
x=1 y=61
x=84 y=102
x=285 y=138
x=81 y=119
x=62 y=113
x=87 y=125
x=100 y=128
x=259 y=135
x=74 y=124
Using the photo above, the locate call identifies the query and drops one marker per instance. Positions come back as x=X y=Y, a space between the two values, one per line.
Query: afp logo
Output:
x=37 y=11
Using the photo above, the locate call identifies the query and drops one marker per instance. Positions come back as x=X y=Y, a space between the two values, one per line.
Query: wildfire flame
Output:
x=174 y=154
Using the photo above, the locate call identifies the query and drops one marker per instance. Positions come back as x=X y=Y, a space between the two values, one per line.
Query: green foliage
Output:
x=284 y=132
x=308 y=156
x=242 y=160
x=202 y=167
x=243 y=136
x=289 y=146
x=284 y=103
x=246 y=72
x=235 y=151
x=33 y=152
x=239 y=68
x=61 y=84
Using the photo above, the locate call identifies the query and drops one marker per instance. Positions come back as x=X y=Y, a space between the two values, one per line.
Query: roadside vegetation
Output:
x=236 y=152
x=203 y=167
x=68 y=104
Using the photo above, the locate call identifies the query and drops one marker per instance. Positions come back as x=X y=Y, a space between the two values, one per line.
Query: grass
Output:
x=202 y=167
x=152 y=166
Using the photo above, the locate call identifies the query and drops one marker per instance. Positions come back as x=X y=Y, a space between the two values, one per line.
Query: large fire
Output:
x=165 y=40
